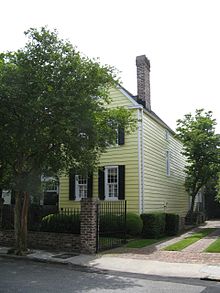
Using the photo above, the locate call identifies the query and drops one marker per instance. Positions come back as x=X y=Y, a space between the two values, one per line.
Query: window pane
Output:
x=112 y=182
x=81 y=186
x=110 y=190
x=82 y=180
x=112 y=175
x=115 y=190
x=82 y=191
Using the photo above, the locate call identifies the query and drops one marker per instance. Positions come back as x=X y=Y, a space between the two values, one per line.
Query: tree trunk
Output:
x=17 y=218
x=24 y=221
x=190 y=212
x=20 y=220
x=192 y=203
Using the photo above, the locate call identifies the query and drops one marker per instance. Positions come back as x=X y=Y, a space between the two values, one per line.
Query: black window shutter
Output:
x=89 y=185
x=102 y=183
x=121 y=136
x=72 y=174
x=121 y=172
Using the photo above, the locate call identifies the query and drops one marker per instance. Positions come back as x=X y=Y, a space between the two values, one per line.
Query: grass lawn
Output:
x=139 y=243
x=214 y=247
x=180 y=245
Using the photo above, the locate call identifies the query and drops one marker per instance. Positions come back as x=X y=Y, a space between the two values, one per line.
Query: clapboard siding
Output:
x=126 y=154
x=157 y=188
x=162 y=192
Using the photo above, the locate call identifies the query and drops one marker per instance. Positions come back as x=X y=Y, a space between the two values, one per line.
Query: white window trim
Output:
x=117 y=138
x=115 y=145
x=168 y=163
x=106 y=183
x=45 y=179
x=77 y=198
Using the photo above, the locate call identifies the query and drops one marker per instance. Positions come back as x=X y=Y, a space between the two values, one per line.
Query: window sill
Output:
x=111 y=199
x=114 y=146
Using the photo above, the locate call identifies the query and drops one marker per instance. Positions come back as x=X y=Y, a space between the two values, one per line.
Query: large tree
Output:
x=201 y=147
x=53 y=115
x=217 y=188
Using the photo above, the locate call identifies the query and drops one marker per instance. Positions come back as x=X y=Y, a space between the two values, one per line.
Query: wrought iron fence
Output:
x=66 y=220
x=111 y=224
x=44 y=218
x=7 y=217
x=35 y=215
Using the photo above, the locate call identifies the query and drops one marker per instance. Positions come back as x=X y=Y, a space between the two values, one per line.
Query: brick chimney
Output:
x=143 y=81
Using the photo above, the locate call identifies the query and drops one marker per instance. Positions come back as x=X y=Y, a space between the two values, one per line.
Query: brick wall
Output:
x=86 y=242
x=7 y=238
x=44 y=240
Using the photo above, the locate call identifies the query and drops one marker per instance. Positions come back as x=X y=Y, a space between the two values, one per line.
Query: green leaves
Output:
x=53 y=111
x=201 y=146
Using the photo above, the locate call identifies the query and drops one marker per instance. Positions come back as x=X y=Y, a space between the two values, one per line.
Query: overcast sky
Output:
x=180 y=37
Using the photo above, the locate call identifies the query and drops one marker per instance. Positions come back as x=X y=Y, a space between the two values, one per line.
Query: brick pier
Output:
x=88 y=225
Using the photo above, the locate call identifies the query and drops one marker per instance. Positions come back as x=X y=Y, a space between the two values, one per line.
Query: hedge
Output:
x=153 y=225
x=61 y=223
x=111 y=223
x=134 y=224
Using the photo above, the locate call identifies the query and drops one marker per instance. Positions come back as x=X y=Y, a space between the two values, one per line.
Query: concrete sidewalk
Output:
x=117 y=263
x=150 y=260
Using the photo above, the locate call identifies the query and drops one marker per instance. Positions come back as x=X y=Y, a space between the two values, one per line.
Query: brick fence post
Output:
x=88 y=226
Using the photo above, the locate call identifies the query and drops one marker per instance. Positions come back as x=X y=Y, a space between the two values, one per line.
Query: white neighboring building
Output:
x=6 y=195
x=48 y=196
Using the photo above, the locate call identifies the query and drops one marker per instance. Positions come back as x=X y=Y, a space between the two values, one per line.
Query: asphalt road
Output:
x=27 y=276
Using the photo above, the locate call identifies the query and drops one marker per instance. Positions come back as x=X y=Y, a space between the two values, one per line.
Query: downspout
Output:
x=140 y=197
x=142 y=155
x=144 y=99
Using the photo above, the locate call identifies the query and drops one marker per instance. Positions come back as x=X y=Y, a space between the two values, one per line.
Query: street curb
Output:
x=51 y=261
x=89 y=269
x=210 y=279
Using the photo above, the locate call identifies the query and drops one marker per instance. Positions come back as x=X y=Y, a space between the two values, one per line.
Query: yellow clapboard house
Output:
x=145 y=167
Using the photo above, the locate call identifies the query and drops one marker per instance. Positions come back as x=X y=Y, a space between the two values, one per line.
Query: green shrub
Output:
x=61 y=223
x=111 y=223
x=153 y=225
x=134 y=224
x=172 y=224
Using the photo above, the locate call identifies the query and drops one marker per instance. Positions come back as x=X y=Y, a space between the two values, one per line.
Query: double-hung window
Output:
x=81 y=186
x=119 y=137
x=111 y=182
